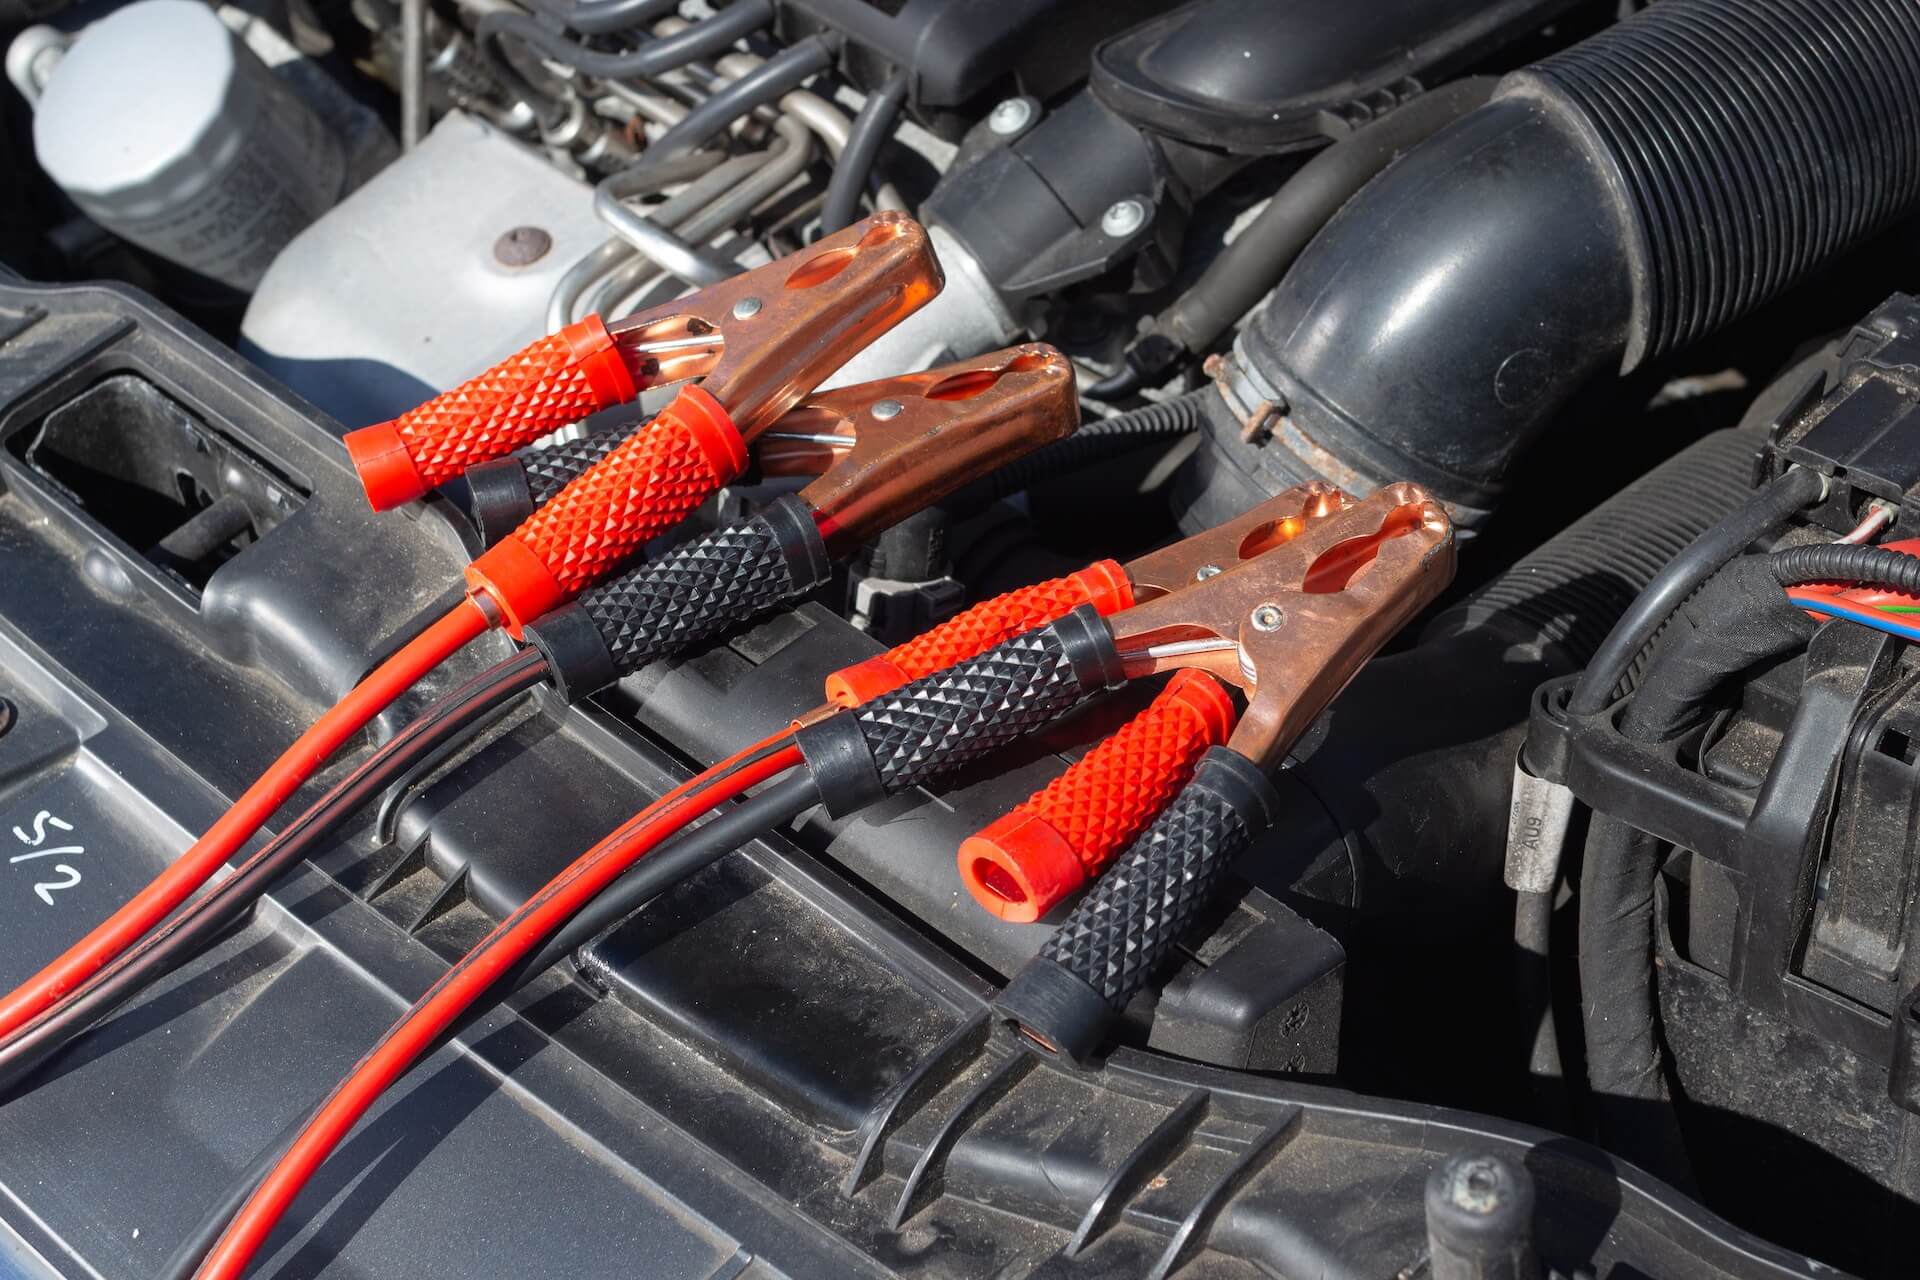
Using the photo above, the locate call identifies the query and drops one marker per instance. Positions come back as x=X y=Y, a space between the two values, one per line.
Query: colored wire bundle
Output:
x=514 y=950
x=248 y=814
x=1879 y=617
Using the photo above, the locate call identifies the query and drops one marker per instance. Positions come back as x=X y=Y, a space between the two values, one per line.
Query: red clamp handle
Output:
x=649 y=484
x=1061 y=837
x=556 y=381
x=1104 y=585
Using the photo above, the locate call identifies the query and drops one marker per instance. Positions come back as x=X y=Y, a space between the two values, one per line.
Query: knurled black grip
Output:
x=553 y=468
x=1123 y=930
x=690 y=594
x=504 y=492
x=942 y=721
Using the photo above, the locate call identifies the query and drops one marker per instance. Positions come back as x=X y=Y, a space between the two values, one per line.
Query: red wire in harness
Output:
x=249 y=813
x=516 y=937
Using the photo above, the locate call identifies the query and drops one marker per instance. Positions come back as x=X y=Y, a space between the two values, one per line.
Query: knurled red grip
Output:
x=1022 y=865
x=1120 y=934
x=637 y=492
x=1103 y=585
x=556 y=380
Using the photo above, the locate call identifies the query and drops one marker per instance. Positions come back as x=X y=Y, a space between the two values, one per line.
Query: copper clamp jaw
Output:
x=764 y=339
x=888 y=448
x=1287 y=602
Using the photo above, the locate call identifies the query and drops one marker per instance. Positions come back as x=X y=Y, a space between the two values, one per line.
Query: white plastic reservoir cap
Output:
x=169 y=132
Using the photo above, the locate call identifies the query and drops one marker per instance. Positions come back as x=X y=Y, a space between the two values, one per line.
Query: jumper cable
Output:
x=815 y=308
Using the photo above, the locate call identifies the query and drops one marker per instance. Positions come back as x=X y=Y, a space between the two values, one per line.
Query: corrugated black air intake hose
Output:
x=1613 y=203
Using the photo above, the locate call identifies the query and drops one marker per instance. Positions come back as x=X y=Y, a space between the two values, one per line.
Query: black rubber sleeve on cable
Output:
x=948 y=719
x=1121 y=932
x=690 y=594
x=507 y=490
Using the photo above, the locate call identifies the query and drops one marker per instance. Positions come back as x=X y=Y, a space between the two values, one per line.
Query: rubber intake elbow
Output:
x=1612 y=204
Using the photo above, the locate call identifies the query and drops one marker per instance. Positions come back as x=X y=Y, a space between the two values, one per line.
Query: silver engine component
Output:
x=439 y=266
x=203 y=156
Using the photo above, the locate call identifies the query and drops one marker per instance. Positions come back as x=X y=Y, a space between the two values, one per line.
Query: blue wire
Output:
x=1865 y=615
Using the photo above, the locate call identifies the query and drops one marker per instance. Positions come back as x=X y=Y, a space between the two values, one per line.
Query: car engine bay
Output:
x=1306 y=606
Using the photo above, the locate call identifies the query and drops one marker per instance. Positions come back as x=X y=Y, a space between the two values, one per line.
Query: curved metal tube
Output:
x=721 y=177
x=786 y=160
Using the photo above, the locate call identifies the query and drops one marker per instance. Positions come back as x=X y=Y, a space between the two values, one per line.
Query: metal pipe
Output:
x=706 y=187
x=787 y=160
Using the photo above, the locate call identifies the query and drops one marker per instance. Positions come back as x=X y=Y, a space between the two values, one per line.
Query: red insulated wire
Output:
x=249 y=813
x=467 y=981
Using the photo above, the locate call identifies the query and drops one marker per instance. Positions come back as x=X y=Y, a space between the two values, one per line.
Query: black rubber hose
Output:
x=771 y=80
x=1261 y=254
x=1096 y=440
x=1767 y=511
x=870 y=131
x=1659 y=180
x=1842 y=562
x=703 y=39
x=602 y=17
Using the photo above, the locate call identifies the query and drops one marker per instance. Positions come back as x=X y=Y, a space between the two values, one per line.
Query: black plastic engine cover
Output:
x=768 y=1071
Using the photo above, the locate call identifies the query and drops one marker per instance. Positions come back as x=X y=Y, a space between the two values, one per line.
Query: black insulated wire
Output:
x=870 y=130
x=687 y=854
x=1097 y=440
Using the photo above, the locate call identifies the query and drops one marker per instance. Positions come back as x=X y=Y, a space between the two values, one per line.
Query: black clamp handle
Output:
x=690 y=594
x=1116 y=939
x=940 y=722
x=505 y=491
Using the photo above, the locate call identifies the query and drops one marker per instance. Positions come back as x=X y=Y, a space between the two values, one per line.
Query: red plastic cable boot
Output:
x=1062 y=836
x=556 y=380
x=1104 y=585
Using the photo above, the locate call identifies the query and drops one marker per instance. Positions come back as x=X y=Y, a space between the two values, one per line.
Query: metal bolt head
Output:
x=522 y=247
x=1010 y=117
x=886 y=410
x=1267 y=617
x=1123 y=218
x=746 y=308
x=1206 y=571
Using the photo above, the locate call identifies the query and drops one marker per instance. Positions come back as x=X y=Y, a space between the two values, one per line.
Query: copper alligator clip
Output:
x=882 y=450
x=761 y=340
x=1286 y=603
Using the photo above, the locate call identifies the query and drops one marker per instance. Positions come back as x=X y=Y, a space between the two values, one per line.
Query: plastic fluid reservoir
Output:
x=170 y=133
